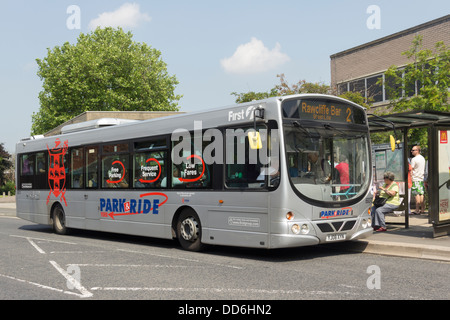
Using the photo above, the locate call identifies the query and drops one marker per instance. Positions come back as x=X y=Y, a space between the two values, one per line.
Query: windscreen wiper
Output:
x=330 y=127
x=298 y=125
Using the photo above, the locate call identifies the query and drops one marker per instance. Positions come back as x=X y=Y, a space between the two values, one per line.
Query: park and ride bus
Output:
x=281 y=172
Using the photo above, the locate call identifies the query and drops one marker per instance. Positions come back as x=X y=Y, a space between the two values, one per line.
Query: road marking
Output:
x=42 y=286
x=183 y=259
x=78 y=252
x=35 y=246
x=40 y=239
x=224 y=290
x=132 y=265
x=75 y=283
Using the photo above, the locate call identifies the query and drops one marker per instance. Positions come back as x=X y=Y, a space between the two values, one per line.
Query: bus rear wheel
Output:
x=189 y=230
x=59 y=220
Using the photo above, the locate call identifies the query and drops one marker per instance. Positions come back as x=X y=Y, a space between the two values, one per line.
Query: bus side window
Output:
x=193 y=172
x=115 y=173
x=41 y=179
x=243 y=166
x=149 y=169
x=76 y=168
x=92 y=167
x=27 y=165
x=26 y=173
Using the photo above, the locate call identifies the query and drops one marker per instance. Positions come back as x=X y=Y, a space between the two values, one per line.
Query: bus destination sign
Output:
x=323 y=110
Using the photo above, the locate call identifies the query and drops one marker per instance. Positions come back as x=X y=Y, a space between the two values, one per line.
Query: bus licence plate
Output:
x=335 y=237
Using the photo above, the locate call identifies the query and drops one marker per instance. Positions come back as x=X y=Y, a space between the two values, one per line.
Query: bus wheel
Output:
x=59 y=220
x=189 y=230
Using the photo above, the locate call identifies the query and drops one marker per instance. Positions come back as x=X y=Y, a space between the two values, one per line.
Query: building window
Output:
x=342 y=88
x=359 y=86
x=374 y=90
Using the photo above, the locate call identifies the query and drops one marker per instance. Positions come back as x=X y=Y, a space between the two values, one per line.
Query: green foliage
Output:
x=5 y=163
x=252 y=96
x=283 y=89
x=104 y=71
x=357 y=98
x=10 y=187
x=425 y=82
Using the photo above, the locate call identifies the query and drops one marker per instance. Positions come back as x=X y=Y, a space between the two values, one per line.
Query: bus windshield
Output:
x=327 y=163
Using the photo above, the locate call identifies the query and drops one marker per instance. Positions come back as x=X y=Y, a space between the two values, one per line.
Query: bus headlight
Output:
x=295 y=228
x=304 y=228
x=366 y=223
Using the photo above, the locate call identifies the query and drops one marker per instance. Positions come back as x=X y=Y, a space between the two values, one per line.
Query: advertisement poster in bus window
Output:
x=151 y=171
x=444 y=174
x=193 y=171
x=57 y=171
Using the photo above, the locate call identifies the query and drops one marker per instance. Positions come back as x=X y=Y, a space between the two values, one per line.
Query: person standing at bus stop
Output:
x=417 y=175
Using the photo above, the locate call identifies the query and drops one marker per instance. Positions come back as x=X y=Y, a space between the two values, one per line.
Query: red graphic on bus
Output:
x=123 y=172
x=194 y=171
x=57 y=171
x=157 y=176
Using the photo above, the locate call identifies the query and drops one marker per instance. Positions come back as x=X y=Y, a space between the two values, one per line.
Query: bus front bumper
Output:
x=288 y=240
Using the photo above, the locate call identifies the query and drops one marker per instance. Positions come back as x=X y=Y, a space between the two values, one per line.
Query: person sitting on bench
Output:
x=390 y=191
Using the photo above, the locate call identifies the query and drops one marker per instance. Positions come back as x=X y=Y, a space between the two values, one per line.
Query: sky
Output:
x=213 y=47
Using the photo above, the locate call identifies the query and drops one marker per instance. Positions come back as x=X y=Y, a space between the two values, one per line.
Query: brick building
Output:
x=359 y=68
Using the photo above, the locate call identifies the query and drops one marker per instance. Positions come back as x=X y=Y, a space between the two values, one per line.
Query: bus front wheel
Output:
x=189 y=230
x=59 y=220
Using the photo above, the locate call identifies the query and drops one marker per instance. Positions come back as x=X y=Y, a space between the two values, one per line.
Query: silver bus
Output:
x=282 y=172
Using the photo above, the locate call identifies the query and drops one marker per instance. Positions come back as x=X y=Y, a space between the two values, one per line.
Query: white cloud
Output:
x=127 y=16
x=254 y=57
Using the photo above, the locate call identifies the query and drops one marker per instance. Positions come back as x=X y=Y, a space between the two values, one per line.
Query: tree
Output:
x=5 y=163
x=424 y=83
x=252 y=96
x=104 y=71
x=357 y=98
x=283 y=89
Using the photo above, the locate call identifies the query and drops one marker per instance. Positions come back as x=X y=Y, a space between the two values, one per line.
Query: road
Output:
x=35 y=263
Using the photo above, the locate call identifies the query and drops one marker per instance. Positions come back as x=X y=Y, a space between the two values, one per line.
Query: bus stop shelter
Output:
x=438 y=125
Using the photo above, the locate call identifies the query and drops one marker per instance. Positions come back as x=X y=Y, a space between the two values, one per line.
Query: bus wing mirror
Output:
x=254 y=139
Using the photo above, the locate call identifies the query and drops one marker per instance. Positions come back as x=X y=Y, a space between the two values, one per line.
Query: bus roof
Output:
x=106 y=130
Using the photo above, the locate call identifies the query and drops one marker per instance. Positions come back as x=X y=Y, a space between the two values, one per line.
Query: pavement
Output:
x=417 y=241
x=414 y=242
